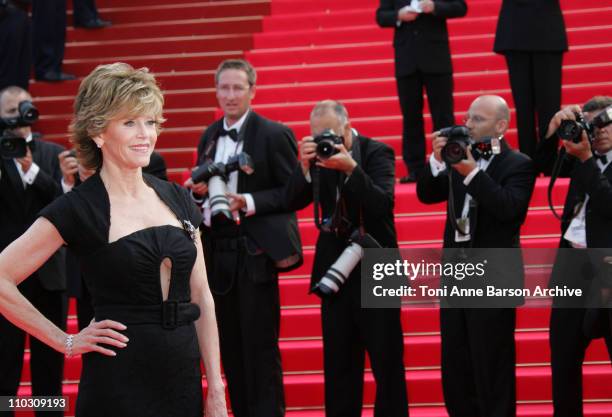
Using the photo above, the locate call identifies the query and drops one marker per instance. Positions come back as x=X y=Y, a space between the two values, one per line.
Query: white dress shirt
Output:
x=481 y=165
x=28 y=178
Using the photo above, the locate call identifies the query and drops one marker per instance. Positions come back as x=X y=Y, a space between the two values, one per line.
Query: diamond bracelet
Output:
x=69 y=345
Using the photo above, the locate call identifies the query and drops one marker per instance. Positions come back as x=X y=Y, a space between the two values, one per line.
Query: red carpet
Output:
x=308 y=50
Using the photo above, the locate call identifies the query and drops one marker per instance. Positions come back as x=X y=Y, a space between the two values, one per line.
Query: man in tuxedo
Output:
x=15 y=44
x=422 y=59
x=362 y=167
x=586 y=223
x=492 y=196
x=531 y=36
x=86 y=15
x=245 y=252
x=27 y=185
x=48 y=40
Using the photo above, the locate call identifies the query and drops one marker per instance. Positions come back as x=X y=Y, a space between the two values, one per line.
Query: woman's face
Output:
x=129 y=141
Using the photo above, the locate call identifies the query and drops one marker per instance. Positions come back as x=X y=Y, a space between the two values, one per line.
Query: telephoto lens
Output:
x=339 y=272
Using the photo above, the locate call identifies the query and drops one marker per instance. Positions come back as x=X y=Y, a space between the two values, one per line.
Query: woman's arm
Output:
x=208 y=336
x=20 y=260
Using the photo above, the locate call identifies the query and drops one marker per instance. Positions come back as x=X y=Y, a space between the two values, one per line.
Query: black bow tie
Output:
x=232 y=133
x=602 y=158
x=477 y=154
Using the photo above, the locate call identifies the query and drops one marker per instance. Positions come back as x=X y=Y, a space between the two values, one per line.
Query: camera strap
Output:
x=561 y=155
x=472 y=212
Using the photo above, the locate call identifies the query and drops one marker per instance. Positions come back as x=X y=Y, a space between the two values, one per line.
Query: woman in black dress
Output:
x=137 y=241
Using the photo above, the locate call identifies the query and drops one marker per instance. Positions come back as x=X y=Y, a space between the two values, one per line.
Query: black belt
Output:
x=170 y=314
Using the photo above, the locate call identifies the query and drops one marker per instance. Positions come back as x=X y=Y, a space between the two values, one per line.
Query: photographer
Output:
x=359 y=167
x=586 y=223
x=28 y=184
x=491 y=196
x=248 y=242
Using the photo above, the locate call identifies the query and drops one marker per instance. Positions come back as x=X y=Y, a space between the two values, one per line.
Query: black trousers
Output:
x=47 y=365
x=478 y=361
x=348 y=332
x=439 y=88
x=84 y=11
x=48 y=35
x=568 y=345
x=248 y=317
x=535 y=78
x=15 y=44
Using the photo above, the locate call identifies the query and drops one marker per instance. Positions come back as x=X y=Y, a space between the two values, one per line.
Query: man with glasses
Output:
x=244 y=255
x=491 y=190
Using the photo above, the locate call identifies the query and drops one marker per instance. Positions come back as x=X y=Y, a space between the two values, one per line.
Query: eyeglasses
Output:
x=238 y=90
x=475 y=119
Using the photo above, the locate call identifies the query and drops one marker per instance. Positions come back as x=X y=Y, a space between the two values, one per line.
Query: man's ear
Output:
x=501 y=126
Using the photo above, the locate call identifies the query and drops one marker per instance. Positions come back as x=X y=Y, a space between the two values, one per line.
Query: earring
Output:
x=99 y=145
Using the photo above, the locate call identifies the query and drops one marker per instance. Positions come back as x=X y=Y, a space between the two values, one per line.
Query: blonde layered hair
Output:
x=108 y=92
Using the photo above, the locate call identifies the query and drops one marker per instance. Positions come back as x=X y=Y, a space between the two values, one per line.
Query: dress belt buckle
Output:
x=170 y=314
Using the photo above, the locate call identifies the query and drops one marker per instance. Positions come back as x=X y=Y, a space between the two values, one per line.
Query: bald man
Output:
x=491 y=195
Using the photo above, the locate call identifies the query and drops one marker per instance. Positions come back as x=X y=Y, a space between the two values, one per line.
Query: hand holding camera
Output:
x=69 y=166
x=326 y=150
x=453 y=145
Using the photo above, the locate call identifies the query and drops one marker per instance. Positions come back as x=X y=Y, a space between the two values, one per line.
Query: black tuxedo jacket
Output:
x=370 y=187
x=423 y=43
x=273 y=149
x=530 y=25
x=586 y=178
x=19 y=207
x=502 y=194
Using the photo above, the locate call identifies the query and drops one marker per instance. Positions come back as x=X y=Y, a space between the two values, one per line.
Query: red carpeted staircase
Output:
x=308 y=50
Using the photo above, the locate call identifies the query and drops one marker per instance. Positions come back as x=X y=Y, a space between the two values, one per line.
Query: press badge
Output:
x=464 y=224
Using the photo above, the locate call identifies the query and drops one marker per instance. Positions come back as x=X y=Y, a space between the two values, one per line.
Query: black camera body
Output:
x=326 y=144
x=12 y=146
x=455 y=149
x=216 y=175
x=572 y=129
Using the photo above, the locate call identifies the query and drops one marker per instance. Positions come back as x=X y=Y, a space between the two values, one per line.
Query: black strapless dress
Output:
x=158 y=373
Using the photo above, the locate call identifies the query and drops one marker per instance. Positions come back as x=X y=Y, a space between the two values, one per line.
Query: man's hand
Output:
x=200 y=188
x=308 y=153
x=428 y=6
x=437 y=144
x=342 y=161
x=237 y=201
x=581 y=150
x=465 y=166
x=406 y=16
x=565 y=114
x=26 y=161
x=69 y=166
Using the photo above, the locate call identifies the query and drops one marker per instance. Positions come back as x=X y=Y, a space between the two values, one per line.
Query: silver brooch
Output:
x=189 y=228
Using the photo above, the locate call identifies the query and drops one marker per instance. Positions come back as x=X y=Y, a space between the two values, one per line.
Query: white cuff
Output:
x=30 y=176
x=308 y=177
x=469 y=177
x=65 y=187
x=250 y=205
x=195 y=199
x=436 y=166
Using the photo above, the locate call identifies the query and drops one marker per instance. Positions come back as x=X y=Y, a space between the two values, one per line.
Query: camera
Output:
x=339 y=272
x=216 y=175
x=572 y=129
x=459 y=139
x=12 y=146
x=326 y=144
